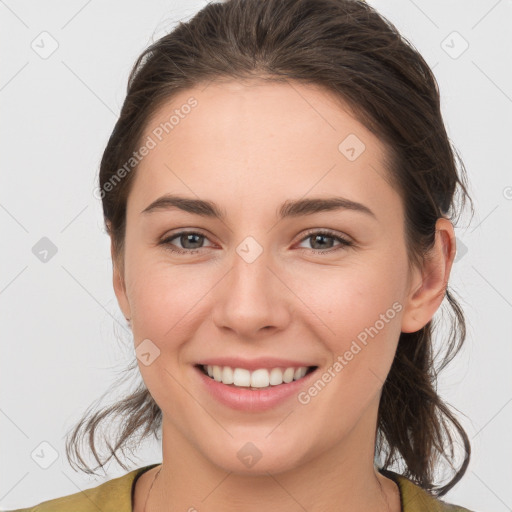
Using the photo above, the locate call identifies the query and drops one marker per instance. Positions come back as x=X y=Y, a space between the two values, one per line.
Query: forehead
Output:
x=231 y=112
x=283 y=140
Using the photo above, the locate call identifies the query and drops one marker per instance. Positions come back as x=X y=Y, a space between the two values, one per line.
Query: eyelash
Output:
x=344 y=243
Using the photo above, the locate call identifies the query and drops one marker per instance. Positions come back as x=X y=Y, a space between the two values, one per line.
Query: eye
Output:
x=191 y=240
x=318 y=238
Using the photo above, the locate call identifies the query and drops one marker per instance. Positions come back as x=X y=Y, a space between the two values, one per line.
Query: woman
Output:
x=280 y=195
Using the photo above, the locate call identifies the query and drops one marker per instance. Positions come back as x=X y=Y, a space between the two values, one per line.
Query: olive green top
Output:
x=116 y=495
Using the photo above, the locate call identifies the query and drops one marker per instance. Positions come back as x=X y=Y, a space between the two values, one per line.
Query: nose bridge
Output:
x=252 y=297
x=250 y=271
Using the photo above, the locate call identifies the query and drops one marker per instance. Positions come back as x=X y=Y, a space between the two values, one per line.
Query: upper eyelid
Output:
x=176 y=234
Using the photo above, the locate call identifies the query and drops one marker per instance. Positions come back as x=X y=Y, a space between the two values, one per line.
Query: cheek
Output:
x=166 y=308
x=349 y=298
x=166 y=298
x=360 y=328
x=356 y=312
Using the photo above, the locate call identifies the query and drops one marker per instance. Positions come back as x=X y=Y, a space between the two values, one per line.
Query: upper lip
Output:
x=253 y=364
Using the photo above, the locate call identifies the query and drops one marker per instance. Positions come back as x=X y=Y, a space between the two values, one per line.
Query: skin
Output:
x=249 y=147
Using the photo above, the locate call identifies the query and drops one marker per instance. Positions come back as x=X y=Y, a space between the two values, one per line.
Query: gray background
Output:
x=63 y=335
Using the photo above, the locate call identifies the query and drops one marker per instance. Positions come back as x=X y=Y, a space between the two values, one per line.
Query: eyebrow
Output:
x=290 y=208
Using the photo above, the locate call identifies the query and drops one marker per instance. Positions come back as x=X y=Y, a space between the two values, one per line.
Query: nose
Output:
x=253 y=299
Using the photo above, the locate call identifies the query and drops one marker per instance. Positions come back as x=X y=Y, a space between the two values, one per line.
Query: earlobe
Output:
x=428 y=288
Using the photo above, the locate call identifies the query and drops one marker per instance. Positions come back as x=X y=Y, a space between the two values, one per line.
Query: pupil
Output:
x=187 y=239
x=316 y=237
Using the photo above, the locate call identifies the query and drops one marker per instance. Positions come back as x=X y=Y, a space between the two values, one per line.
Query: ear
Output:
x=119 y=283
x=428 y=286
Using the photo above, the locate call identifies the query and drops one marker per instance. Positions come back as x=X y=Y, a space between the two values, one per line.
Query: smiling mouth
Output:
x=258 y=379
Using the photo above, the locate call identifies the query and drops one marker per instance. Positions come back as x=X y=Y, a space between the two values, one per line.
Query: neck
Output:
x=341 y=478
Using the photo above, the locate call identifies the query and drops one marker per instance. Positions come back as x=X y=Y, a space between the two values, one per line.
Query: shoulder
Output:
x=114 y=495
x=416 y=499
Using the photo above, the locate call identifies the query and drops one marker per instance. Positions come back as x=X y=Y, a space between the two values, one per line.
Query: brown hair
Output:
x=350 y=50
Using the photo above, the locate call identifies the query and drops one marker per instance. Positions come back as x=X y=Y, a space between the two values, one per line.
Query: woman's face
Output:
x=255 y=284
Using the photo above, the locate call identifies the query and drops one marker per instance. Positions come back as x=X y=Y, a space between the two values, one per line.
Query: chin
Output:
x=257 y=454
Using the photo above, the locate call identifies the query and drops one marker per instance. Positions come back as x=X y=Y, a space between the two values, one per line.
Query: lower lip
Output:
x=254 y=400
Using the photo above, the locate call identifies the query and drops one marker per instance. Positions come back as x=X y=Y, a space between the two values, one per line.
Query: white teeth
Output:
x=217 y=373
x=276 y=376
x=288 y=374
x=227 y=375
x=241 y=377
x=261 y=378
